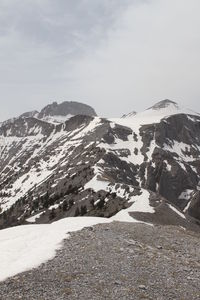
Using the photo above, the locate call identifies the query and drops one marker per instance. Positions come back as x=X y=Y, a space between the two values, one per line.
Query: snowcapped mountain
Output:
x=158 y=111
x=140 y=168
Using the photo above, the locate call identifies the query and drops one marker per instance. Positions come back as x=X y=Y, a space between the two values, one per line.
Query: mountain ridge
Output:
x=121 y=168
x=56 y=113
x=159 y=110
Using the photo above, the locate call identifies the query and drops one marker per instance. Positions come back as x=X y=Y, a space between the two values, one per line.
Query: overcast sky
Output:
x=115 y=55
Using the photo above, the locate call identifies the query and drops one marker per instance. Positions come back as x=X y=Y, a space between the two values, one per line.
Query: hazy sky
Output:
x=115 y=55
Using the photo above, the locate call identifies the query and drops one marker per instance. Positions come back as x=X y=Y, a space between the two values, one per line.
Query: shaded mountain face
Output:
x=143 y=167
x=165 y=104
x=29 y=114
x=66 y=108
x=58 y=113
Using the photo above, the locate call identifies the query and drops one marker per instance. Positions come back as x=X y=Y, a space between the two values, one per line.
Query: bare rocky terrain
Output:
x=116 y=261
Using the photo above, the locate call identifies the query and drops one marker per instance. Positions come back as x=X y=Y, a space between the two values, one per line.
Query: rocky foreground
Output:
x=116 y=261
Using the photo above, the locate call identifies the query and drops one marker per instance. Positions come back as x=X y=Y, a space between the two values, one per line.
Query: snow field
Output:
x=25 y=247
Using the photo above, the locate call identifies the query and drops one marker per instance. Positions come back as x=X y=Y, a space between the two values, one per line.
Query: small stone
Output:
x=142 y=287
x=117 y=282
x=90 y=228
x=131 y=251
x=16 y=277
x=159 y=247
x=131 y=243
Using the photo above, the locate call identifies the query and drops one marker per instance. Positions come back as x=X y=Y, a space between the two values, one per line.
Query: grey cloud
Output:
x=57 y=22
x=116 y=55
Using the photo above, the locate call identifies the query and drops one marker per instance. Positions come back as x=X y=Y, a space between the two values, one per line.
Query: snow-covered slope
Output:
x=98 y=167
x=56 y=119
x=154 y=114
x=26 y=247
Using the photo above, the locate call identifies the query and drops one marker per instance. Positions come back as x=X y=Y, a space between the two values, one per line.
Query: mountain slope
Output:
x=153 y=262
x=128 y=168
x=66 y=108
x=154 y=114
x=59 y=113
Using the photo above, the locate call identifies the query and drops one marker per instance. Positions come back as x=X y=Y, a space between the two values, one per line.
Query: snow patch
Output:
x=33 y=218
x=177 y=211
x=185 y=195
x=140 y=204
x=97 y=184
x=25 y=247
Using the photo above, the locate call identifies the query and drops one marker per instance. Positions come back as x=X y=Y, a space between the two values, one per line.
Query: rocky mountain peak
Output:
x=29 y=114
x=164 y=104
x=57 y=113
x=66 y=108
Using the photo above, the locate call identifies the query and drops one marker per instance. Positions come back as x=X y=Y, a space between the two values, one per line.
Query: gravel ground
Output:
x=116 y=261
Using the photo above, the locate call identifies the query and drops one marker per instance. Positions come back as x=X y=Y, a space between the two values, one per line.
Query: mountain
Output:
x=66 y=108
x=158 y=111
x=139 y=168
x=58 y=113
x=29 y=114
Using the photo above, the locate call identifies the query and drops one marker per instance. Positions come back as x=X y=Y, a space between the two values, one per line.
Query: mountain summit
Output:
x=163 y=104
x=66 y=108
x=60 y=112
x=155 y=113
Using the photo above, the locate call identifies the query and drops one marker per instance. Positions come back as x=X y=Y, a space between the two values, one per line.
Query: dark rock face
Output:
x=181 y=128
x=170 y=173
x=163 y=104
x=120 y=171
x=22 y=127
x=66 y=108
x=170 y=183
x=29 y=114
x=76 y=121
